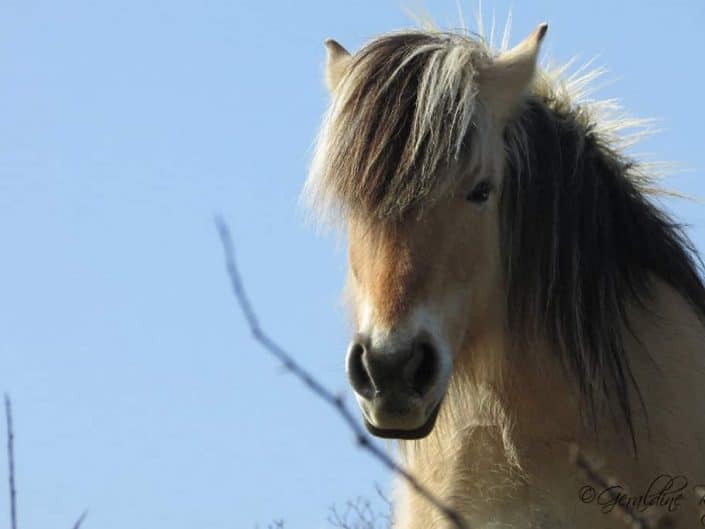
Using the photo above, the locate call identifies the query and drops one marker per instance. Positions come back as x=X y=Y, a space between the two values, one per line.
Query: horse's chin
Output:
x=396 y=433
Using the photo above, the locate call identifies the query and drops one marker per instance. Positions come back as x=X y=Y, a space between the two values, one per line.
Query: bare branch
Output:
x=625 y=511
x=358 y=514
x=388 y=503
x=79 y=522
x=361 y=437
x=11 y=462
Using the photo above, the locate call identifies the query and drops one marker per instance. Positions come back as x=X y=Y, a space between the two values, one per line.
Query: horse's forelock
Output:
x=403 y=112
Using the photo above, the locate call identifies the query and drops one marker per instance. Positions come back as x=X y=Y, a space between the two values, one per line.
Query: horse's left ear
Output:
x=336 y=63
x=504 y=80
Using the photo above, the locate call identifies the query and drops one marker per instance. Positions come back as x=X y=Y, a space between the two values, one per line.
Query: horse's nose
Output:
x=410 y=370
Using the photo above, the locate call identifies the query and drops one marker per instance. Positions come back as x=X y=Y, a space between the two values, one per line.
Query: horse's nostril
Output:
x=357 y=373
x=411 y=371
x=425 y=358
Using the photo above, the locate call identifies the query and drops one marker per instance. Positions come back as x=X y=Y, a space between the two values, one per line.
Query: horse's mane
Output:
x=581 y=237
x=381 y=149
x=582 y=241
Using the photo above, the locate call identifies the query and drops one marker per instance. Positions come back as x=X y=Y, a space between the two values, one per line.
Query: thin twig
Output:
x=11 y=462
x=630 y=516
x=361 y=438
x=390 y=507
x=79 y=522
x=358 y=514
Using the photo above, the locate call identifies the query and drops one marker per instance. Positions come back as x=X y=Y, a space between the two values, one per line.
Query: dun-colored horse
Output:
x=515 y=288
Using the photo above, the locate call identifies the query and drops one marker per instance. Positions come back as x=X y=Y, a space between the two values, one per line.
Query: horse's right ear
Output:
x=336 y=64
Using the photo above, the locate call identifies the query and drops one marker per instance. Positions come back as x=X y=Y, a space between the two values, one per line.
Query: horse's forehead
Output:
x=390 y=263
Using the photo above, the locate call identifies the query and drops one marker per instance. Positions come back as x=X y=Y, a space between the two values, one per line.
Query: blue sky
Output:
x=138 y=392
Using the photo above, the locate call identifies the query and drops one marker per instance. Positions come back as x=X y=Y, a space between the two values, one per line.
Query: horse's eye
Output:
x=480 y=193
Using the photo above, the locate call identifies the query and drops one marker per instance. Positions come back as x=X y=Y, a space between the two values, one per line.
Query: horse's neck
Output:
x=476 y=457
x=507 y=451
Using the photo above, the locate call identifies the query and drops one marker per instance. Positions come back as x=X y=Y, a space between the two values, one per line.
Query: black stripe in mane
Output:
x=581 y=242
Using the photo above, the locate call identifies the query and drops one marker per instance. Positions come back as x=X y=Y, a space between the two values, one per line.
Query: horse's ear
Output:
x=503 y=80
x=336 y=63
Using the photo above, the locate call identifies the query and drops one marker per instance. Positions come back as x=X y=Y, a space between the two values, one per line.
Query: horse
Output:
x=515 y=287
